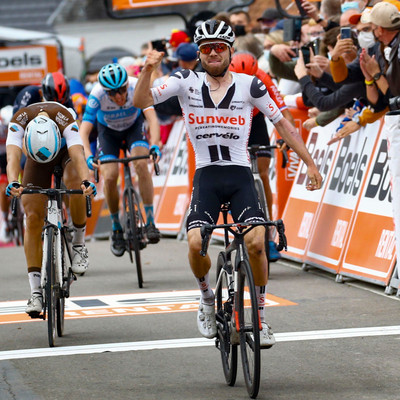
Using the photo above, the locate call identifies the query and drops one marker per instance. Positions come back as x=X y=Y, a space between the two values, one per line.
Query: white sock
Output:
x=261 y=292
x=207 y=295
x=79 y=236
x=34 y=282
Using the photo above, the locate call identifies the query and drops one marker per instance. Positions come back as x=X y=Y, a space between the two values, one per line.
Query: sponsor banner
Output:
x=371 y=252
x=118 y=5
x=285 y=176
x=301 y=209
x=341 y=196
x=174 y=197
x=165 y=164
x=26 y=65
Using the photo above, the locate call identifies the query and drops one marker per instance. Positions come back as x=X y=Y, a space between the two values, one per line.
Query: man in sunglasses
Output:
x=120 y=125
x=218 y=106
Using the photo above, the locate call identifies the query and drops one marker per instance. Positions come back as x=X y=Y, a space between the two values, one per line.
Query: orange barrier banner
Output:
x=371 y=252
x=341 y=196
x=165 y=164
x=174 y=196
x=286 y=176
x=26 y=65
x=302 y=206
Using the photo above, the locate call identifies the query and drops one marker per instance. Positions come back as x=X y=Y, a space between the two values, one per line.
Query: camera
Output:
x=394 y=103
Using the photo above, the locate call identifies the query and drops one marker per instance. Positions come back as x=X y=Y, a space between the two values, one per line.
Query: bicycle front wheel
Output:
x=249 y=329
x=50 y=287
x=132 y=215
x=60 y=309
x=224 y=297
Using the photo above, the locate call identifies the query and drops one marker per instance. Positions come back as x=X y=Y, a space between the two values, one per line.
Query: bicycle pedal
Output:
x=36 y=315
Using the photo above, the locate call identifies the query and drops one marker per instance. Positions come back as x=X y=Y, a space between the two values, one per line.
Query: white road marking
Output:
x=193 y=342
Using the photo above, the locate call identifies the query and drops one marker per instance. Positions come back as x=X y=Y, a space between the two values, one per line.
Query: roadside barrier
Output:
x=345 y=228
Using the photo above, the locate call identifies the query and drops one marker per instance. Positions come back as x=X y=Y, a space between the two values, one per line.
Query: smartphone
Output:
x=345 y=32
x=159 y=45
x=306 y=54
x=316 y=45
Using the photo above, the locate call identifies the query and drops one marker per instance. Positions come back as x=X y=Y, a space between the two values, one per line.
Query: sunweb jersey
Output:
x=119 y=118
x=219 y=132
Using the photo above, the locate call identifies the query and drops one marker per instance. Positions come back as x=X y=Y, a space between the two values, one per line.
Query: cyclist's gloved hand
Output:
x=91 y=185
x=155 y=150
x=10 y=186
x=89 y=162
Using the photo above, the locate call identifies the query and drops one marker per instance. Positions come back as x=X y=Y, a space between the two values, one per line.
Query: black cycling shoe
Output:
x=152 y=233
x=118 y=244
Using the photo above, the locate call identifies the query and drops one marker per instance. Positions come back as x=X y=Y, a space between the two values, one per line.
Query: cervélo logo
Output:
x=22 y=58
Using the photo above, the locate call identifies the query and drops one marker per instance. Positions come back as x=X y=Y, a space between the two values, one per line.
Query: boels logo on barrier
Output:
x=26 y=65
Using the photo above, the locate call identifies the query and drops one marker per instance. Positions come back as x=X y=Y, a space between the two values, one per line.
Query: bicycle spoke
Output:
x=224 y=315
x=249 y=330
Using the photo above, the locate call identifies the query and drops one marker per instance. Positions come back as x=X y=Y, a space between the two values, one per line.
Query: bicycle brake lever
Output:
x=205 y=232
x=282 y=237
x=285 y=158
x=88 y=206
x=14 y=201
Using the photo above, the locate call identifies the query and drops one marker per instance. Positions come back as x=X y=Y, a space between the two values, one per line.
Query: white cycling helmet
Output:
x=42 y=139
x=214 y=29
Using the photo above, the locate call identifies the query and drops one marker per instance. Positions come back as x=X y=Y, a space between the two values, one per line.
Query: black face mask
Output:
x=239 y=30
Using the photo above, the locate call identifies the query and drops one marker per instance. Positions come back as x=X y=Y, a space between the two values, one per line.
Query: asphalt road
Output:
x=334 y=341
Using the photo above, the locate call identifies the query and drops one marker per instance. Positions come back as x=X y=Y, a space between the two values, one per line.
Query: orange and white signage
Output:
x=174 y=196
x=301 y=208
x=341 y=196
x=26 y=65
x=371 y=251
x=130 y=4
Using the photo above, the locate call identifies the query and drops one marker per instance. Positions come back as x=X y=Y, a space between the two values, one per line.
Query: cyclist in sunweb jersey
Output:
x=218 y=106
x=246 y=63
x=49 y=133
x=121 y=125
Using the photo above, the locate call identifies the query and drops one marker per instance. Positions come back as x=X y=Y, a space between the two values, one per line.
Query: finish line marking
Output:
x=192 y=342
x=12 y=312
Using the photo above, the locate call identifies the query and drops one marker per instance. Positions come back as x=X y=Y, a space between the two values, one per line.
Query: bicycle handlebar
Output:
x=125 y=161
x=255 y=148
x=52 y=192
x=206 y=231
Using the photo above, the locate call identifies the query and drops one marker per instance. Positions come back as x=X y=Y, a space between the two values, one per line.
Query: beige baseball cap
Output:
x=385 y=15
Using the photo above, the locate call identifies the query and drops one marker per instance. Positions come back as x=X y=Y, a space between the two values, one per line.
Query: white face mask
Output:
x=366 y=39
x=89 y=87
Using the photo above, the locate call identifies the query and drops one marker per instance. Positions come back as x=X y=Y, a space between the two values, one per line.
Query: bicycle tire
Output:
x=224 y=316
x=263 y=204
x=50 y=286
x=61 y=298
x=132 y=225
x=249 y=329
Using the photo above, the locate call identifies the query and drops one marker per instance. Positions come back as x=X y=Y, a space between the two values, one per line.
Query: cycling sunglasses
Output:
x=218 y=47
x=121 y=90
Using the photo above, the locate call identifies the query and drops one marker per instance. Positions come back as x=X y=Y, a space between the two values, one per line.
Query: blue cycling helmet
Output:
x=113 y=76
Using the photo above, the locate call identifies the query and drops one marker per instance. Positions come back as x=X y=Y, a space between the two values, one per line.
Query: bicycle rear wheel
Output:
x=249 y=329
x=263 y=205
x=50 y=287
x=224 y=297
x=132 y=227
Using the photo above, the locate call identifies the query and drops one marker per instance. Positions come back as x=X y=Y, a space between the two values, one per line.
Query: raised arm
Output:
x=142 y=97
